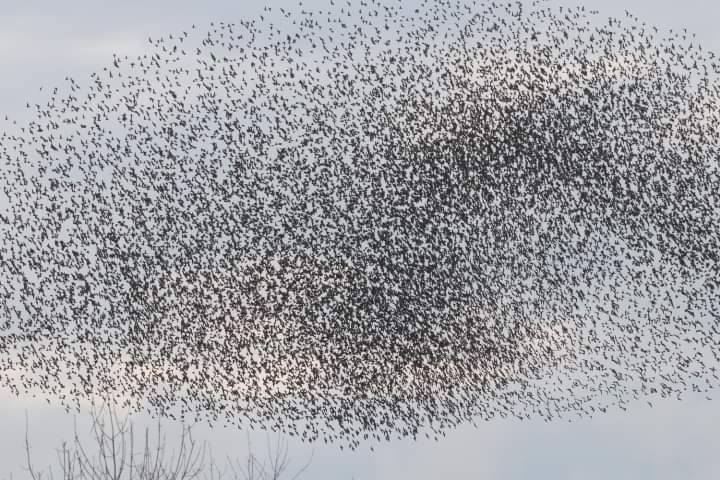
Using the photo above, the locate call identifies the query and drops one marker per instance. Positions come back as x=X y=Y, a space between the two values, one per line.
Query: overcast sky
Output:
x=43 y=41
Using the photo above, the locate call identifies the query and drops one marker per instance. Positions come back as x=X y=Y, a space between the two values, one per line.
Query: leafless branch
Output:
x=113 y=460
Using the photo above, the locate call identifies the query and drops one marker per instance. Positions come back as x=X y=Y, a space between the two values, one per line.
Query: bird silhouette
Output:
x=359 y=226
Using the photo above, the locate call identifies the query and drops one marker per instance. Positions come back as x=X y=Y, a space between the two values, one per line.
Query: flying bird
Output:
x=372 y=224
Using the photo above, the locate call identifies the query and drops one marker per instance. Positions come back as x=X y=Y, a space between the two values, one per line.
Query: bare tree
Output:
x=113 y=460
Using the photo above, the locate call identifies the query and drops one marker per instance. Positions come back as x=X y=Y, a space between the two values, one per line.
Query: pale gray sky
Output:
x=43 y=41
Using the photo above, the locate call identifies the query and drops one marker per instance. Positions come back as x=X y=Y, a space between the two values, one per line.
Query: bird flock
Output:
x=371 y=220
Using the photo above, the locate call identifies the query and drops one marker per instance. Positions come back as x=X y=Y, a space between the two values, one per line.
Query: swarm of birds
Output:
x=373 y=220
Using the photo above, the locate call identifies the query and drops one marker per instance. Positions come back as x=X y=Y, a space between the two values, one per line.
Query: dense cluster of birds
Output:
x=372 y=220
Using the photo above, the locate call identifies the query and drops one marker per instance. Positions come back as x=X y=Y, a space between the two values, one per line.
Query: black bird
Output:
x=371 y=225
